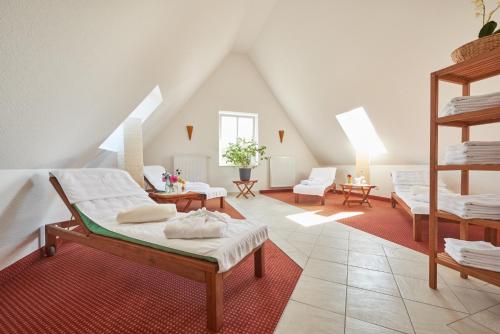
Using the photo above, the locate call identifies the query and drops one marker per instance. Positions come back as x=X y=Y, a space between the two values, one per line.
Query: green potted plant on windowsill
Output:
x=245 y=155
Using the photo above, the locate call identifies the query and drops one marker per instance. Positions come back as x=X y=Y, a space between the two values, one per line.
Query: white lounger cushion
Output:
x=317 y=190
x=242 y=235
x=213 y=192
x=325 y=173
x=96 y=183
x=405 y=181
x=147 y=213
x=154 y=175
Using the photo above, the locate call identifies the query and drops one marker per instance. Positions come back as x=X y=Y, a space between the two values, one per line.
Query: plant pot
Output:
x=245 y=174
x=475 y=48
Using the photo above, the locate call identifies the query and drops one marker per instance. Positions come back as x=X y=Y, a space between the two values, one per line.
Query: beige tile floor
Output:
x=354 y=282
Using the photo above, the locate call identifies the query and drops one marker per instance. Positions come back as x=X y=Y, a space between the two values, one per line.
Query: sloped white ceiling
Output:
x=71 y=71
x=321 y=58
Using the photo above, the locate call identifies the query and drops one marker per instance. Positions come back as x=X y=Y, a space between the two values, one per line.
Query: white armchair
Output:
x=319 y=183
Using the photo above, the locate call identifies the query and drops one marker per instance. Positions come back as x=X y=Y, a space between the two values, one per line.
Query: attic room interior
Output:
x=250 y=166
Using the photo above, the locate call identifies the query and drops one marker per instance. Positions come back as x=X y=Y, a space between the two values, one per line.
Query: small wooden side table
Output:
x=245 y=187
x=174 y=198
x=361 y=189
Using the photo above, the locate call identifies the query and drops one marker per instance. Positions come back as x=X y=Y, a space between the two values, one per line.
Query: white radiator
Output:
x=282 y=171
x=193 y=167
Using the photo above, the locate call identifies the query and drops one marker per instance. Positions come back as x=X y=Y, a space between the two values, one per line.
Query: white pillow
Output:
x=147 y=213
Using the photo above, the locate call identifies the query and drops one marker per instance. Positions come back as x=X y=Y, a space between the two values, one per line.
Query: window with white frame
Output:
x=234 y=125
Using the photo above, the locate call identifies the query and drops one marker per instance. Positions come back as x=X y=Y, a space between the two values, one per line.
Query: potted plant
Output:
x=489 y=35
x=245 y=155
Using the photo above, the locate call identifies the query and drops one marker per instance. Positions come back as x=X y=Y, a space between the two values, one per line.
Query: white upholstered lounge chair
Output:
x=320 y=182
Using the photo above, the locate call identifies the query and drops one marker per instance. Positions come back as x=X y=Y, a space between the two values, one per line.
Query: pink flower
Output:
x=163 y=179
x=174 y=178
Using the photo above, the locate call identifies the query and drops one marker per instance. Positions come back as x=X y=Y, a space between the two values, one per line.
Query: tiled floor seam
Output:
x=470 y=318
x=347 y=284
x=400 y=293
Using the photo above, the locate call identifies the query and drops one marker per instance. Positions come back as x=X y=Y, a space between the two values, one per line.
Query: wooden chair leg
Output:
x=222 y=202
x=215 y=301
x=259 y=262
x=296 y=198
x=490 y=235
x=50 y=244
x=464 y=235
x=417 y=227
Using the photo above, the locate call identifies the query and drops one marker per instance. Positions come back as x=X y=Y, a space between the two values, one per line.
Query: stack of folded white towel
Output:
x=473 y=152
x=463 y=104
x=484 y=206
x=313 y=181
x=199 y=224
x=478 y=254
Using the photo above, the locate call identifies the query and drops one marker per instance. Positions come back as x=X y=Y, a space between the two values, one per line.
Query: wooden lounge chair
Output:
x=417 y=218
x=152 y=178
x=185 y=266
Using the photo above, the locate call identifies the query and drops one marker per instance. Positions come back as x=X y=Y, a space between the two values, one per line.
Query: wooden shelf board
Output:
x=475 y=221
x=480 y=67
x=469 y=167
x=485 y=116
x=489 y=276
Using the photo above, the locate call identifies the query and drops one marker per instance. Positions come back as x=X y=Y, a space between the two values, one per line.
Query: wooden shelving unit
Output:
x=479 y=68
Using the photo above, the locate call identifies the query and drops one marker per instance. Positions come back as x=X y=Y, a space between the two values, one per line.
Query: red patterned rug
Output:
x=381 y=220
x=82 y=290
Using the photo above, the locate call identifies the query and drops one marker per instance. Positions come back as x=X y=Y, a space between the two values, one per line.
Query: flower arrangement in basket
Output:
x=173 y=181
x=489 y=35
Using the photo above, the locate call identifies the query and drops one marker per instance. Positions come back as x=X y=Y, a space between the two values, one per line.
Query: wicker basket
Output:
x=475 y=48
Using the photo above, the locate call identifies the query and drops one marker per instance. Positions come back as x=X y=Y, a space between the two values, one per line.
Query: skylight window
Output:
x=361 y=132
x=115 y=141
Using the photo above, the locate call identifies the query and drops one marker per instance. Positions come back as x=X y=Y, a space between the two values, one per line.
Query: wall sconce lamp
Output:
x=281 y=134
x=189 y=129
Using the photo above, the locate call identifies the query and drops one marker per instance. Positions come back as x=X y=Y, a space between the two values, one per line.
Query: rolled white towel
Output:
x=147 y=213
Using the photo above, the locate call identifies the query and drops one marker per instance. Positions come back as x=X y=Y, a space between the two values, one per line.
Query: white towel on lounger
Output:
x=194 y=186
x=199 y=224
x=313 y=182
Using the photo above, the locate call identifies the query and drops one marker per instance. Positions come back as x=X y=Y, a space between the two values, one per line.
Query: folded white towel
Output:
x=463 y=104
x=477 y=247
x=199 y=224
x=479 y=254
x=477 y=152
x=475 y=264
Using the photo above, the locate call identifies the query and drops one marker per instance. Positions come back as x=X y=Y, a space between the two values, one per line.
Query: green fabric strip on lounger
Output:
x=98 y=229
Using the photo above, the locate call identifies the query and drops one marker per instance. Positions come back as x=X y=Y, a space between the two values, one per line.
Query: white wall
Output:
x=234 y=86
x=72 y=71
x=27 y=203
